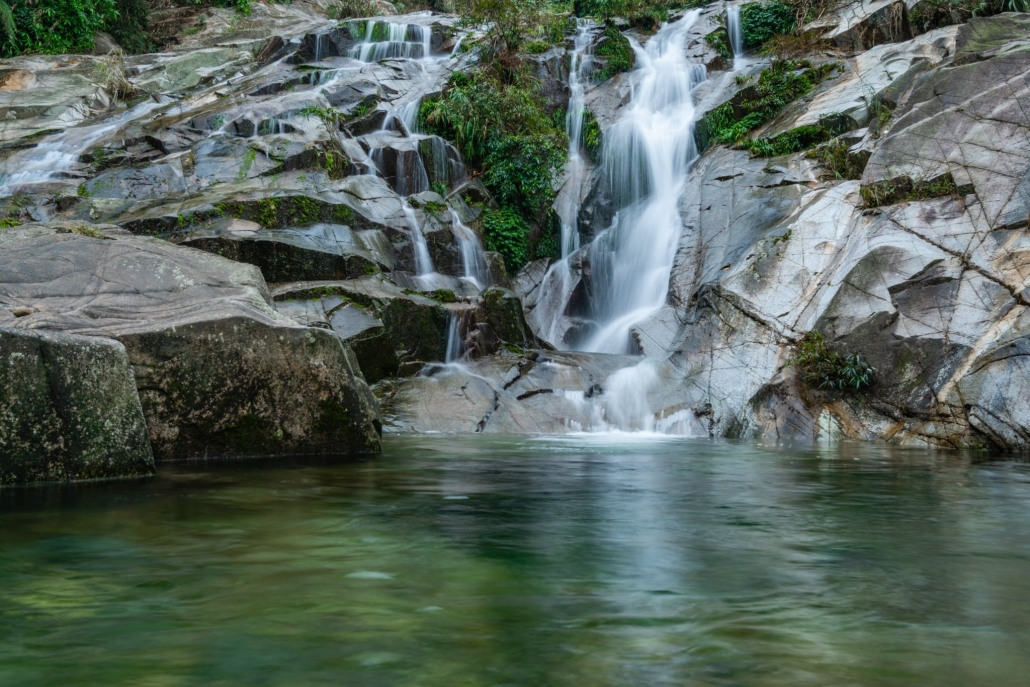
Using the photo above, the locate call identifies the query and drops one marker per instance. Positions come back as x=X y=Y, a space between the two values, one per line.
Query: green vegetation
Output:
x=839 y=159
x=70 y=26
x=644 y=14
x=904 y=189
x=506 y=233
x=593 y=138
x=497 y=119
x=760 y=21
x=720 y=43
x=53 y=26
x=616 y=52
x=829 y=370
x=933 y=14
x=783 y=82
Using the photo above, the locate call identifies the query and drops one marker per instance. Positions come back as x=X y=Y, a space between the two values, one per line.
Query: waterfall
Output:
x=455 y=344
x=647 y=154
x=423 y=261
x=472 y=258
x=557 y=284
x=56 y=154
x=407 y=41
x=736 y=36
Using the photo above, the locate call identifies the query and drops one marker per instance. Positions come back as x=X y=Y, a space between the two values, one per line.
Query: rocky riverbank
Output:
x=244 y=247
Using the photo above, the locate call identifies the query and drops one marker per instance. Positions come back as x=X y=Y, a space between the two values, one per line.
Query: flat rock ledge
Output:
x=216 y=370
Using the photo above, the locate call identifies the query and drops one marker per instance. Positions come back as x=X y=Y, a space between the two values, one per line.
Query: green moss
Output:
x=333 y=418
x=9 y=222
x=439 y=295
x=904 y=189
x=616 y=51
x=246 y=164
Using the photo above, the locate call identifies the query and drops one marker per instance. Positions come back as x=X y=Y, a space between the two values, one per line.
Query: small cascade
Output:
x=318 y=47
x=558 y=284
x=407 y=181
x=647 y=155
x=423 y=261
x=387 y=40
x=736 y=35
x=56 y=154
x=455 y=341
x=476 y=270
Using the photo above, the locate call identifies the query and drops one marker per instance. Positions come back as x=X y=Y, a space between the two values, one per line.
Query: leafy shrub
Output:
x=718 y=41
x=826 y=369
x=933 y=14
x=132 y=28
x=506 y=233
x=53 y=26
x=778 y=85
x=645 y=14
x=616 y=51
x=760 y=21
x=593 y=138
x=839 y=159
x=503 y=131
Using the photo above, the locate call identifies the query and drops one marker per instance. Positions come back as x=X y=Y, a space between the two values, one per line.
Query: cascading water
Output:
x=423 y=261
x=557 y=284
x=647 y=155
x=56 y=154
x=735 y=32
x=386 y=40
x=472 y=258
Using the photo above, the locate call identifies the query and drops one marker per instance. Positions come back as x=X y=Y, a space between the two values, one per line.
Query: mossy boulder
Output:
x=219 y=372
x=68 y=409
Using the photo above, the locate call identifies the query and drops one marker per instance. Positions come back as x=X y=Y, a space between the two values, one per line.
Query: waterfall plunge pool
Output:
x=587 y=560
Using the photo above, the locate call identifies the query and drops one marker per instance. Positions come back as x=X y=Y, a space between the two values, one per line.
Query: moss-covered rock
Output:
x=68 y=409
x=219 y=372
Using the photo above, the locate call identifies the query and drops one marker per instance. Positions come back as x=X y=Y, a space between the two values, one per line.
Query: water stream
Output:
x=647 y=154
x=58 y=153
x=734 y=31
x=557 y=285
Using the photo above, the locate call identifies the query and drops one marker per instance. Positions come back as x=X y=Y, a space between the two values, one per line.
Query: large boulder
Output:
x=68 y=409
x=219 y=372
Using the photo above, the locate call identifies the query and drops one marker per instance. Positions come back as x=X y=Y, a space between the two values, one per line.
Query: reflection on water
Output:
x=578 y=561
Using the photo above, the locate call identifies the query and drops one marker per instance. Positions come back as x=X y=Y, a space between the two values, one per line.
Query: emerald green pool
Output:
x=579 y=561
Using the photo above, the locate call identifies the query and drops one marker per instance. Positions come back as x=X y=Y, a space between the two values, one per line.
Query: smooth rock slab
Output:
x=68 y=409
x=218 y=371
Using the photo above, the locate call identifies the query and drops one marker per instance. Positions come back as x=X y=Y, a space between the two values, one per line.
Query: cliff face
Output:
x=918 y=264
x=894 y=235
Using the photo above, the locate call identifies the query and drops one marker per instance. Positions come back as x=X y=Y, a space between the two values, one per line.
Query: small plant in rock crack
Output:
x=829 y=370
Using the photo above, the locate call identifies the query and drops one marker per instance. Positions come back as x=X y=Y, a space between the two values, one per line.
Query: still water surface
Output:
x=584 y=562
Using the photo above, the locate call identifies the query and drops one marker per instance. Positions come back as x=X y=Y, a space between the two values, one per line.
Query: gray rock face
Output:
x=219 y=372
x=967 y=121
x=68 y=409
